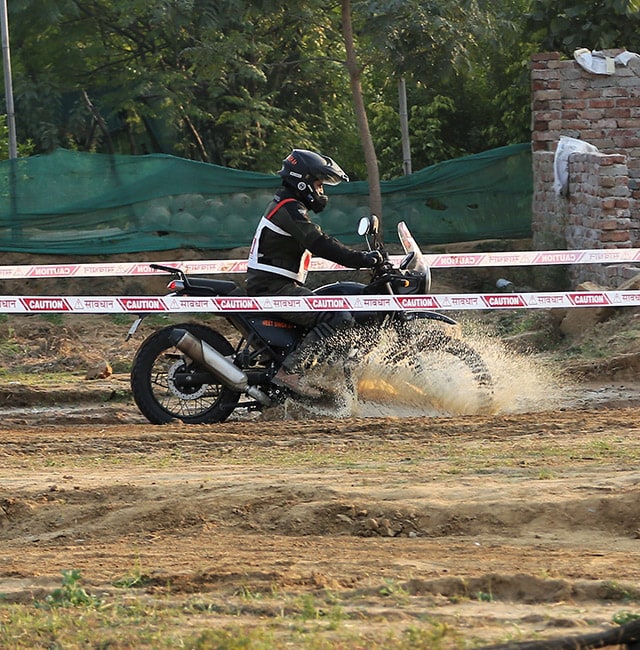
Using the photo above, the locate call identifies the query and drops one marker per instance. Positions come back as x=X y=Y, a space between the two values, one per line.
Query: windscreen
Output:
x=418 y=263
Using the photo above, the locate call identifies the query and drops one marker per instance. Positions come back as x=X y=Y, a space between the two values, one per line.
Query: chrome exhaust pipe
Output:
x=223 y=369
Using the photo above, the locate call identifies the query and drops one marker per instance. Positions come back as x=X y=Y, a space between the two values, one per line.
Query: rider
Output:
x=282 y=247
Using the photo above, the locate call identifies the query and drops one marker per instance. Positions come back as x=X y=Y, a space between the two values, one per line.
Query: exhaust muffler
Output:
x=223 y=369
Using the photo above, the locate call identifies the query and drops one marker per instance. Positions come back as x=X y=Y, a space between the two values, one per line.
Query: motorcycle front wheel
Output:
x=167 y=385
x=457 y=374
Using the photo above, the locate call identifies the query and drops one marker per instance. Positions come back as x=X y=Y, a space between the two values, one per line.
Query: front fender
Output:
x=447 y=324
x=431 y=315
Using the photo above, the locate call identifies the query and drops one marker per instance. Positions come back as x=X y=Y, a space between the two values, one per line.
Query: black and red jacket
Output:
x=286 y=239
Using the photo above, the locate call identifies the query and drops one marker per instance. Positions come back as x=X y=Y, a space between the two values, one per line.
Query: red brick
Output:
x=614 y=91
x=592 y=114
x=602 y=103
x=545 y=135
x=548 y=95
x=606 y=124
x=612 y=159
x=627 y=101
x=576 y=125
x=574 y=103
x=615 y=235
x=626 y=142
x=620 y=113
x=589 y=93
x=628 y=123
x=546 y=56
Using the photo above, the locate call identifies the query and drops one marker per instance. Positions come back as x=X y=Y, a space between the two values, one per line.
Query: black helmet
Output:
x=301 y=168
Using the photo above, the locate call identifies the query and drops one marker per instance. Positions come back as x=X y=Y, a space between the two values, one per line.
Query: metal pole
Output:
x=8 y=87
x=404 y=126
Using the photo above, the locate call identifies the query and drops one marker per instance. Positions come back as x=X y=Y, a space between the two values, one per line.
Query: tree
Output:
x=240 y=83
x=375 y=196
x=566 y=25
x=230 y=82
x=466 y=76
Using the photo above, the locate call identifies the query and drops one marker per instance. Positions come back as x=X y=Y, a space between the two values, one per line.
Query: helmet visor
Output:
x=331 y=173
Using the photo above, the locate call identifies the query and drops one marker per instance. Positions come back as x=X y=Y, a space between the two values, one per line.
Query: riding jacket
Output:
x=286 y=239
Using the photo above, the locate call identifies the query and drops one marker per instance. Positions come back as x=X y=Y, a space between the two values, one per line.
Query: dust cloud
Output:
x=433 y=375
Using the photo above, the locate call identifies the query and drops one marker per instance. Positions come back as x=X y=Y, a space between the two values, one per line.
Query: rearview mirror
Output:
x=368 y=225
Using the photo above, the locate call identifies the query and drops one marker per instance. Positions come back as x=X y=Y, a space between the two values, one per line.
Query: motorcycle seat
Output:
x=217 y=287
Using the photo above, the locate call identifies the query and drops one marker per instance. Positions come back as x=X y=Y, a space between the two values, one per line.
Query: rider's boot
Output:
x=290 y=373
x=294 y=382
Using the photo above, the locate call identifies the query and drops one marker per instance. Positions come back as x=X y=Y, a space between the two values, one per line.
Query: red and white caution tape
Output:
x=170 y=304
x=195 y=267
x=206 y=267
x=536 y=258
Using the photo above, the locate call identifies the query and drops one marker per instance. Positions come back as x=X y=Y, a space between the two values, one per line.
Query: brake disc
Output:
x=183 y=392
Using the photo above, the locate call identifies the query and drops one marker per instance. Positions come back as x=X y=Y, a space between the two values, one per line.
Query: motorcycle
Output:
x=193 y=373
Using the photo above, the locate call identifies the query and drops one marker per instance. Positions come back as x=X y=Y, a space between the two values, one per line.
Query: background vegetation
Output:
x=239 y=83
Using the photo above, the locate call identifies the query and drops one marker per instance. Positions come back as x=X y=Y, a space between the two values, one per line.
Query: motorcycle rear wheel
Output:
x=157 y=382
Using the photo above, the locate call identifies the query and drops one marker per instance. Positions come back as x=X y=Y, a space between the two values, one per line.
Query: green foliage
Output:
x=484 y=597
x=565 y=25
x=394 y=591
x=234 y=640
x=54 y=319
x=227 y=82
x=439 y=635
x=239 y=84
x=466 y=71
x=614 y=590
x=134 y=578
x=71 y=594
x=622 y=618
x=24 y=148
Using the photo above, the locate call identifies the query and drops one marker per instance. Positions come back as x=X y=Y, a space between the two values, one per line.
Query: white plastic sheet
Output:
x=566 y=147
x=600 y=63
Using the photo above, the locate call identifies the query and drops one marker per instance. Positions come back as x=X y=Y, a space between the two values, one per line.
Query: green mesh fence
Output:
x=92 y=204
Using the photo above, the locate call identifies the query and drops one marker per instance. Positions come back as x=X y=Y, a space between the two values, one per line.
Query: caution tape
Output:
x=42 y=271
x=536 y=258
x=228 y=304
x=441 y=260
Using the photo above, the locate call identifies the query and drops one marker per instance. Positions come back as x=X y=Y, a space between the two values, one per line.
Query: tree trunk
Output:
x=375 y=196
x=99 y=121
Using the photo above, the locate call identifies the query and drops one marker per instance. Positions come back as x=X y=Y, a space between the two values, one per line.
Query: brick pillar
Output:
x=603 y=205
x=599 y=211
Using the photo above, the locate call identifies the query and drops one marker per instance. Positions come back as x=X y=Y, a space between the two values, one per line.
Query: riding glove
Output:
x=372 y=259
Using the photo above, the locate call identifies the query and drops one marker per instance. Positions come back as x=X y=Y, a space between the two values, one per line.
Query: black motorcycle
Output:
x=193 y=373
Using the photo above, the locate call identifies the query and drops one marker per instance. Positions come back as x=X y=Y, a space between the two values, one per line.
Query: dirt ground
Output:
x=518 y=525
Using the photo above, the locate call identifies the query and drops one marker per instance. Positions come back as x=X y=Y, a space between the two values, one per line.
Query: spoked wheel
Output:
x=167 y=385
x=453 y=373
